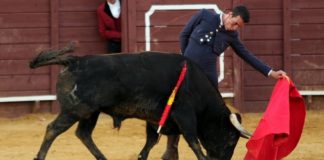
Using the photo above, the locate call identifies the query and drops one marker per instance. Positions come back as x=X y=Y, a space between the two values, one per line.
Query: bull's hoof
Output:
x=142 y=156
x=170 y=154
x=36 y=158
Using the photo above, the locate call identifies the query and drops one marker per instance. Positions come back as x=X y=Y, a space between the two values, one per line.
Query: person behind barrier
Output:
x=109 y=24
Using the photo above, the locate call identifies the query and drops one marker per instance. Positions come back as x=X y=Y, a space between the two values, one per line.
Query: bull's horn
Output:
x=244 y=133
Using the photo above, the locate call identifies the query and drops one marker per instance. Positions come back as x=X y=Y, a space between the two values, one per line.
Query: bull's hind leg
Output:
x=151 y=140
x=54 y=129
x=84 y=132
x=188 y=126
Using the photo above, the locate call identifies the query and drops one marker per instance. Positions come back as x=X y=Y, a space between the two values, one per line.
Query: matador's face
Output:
x=232 y=23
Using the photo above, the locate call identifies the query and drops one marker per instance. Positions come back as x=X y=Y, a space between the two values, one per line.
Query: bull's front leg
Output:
x=151 y=140
x=194 y=144
x=188 y=127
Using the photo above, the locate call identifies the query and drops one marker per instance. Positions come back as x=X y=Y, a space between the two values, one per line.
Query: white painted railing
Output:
x=227 y=95
x=36 y=99
x=28 y=98
x=311 y=93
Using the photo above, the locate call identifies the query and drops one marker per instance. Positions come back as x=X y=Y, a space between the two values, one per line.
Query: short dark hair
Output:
x=243 y=12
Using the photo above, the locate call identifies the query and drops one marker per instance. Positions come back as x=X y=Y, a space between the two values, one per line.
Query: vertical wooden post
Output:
x=238 y=76
x=124 y=31
x=131 y=26
x=54 y=43
x=287 y=36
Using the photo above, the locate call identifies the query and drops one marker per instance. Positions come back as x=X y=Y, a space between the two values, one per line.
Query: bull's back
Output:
x=100 y=78
x=133 y=84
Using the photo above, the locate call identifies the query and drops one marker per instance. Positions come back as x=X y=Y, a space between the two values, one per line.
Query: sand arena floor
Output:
x=20 y=139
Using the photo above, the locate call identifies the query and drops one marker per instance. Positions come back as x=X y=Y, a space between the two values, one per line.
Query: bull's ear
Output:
x=236 y=123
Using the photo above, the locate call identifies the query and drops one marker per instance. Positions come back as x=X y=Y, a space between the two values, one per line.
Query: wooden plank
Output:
x=302 y=16
x=307 y=47
x=82 y=34
x=24 y=28
x=254 y=82
x=308 y=77
x=132 y=32
x=257 y=4
x=23 y=93
x=262 y=32
x=308 y=31
x=144 y=5
x=54 y=20
x=160 y=34
x=166 y=18
x=264 y=47
x=314 y=103
x=173 y=47
x=255 y=78
x=124 y=27
x=87 y=48
x=227 y=82
x=161 y=46
x=287 y=36
x=255 y=106
x=273 y=61
x=78 y=19
x=257 y=93
x=181 y=17
x=17 y=67
x=79 y=5
x=304 y=4
x=12 y=110
x=318 y=87
x=54 y=41
x=24 y=6
x=20 y=51
x=19 y=20
x=228 y=66
x=229 y=53
x=21 y=35
x=24 y=82
x=265 y=16
x=238 y=76
x=308 y=62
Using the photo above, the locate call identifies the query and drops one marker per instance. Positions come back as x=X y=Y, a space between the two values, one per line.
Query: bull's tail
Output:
x=50 y=57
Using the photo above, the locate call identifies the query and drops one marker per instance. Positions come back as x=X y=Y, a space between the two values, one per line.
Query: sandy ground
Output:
x=20 y=139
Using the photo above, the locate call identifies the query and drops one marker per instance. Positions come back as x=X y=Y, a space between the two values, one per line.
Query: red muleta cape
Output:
x=281 y=126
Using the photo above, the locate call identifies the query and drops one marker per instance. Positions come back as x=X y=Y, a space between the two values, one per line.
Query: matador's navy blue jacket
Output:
x=204 y=38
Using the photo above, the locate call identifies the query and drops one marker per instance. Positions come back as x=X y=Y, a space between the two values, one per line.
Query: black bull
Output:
x=138 y=86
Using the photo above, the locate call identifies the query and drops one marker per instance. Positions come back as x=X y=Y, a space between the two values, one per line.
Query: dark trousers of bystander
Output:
x=113 y=47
